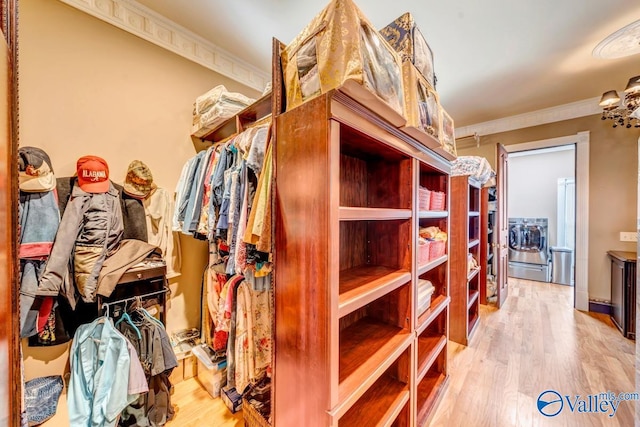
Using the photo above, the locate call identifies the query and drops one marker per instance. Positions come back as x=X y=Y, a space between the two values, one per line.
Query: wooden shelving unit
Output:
x=488 y=235
x=432 y=324
x=467 y=239
x=350 y=345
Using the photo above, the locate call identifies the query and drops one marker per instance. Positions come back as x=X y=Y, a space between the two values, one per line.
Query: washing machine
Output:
x=528 y=249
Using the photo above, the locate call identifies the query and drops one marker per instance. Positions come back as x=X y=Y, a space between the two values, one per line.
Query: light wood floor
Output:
x=536 y=342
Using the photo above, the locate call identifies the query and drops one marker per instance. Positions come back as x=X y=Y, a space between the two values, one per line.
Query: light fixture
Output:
x=627 y=114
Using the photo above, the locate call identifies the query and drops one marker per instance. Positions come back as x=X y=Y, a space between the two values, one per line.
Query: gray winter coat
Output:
x=90 y=230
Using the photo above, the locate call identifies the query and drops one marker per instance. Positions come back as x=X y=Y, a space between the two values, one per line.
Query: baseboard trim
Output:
x=600 y=307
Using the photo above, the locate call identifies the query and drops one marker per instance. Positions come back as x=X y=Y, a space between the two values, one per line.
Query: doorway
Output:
x=541 y=214
x=580 y=143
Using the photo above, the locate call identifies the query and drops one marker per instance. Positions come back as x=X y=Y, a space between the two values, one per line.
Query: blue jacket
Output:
x=100 y=363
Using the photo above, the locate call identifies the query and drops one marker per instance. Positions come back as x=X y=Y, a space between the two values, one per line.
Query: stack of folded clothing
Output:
x=216 y=106
x=425 y=290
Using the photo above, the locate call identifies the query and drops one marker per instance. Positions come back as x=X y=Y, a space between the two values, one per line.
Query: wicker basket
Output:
x=436 y=249
x=424 y=199
x=437 y=201
x=423 y=252
x=252 y=418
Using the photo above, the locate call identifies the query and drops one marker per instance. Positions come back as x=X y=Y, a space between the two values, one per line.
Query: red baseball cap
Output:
x=93 y=174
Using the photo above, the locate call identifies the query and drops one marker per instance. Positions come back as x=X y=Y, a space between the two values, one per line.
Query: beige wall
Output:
x=87 y=87
x=613 y=171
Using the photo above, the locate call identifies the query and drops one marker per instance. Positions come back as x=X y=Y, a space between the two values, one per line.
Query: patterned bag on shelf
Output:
x=337 y=46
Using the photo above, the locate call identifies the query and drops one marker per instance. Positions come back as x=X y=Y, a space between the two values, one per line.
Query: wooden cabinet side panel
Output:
x=458 y=230
x=484 y=242
x=303 y=286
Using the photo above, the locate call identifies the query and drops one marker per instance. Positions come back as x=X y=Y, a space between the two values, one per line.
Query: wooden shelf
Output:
x=428 y=392
x=371 y=101
x=228 y=127
x=432 y=264
x=438 y=304
x=380 y=405
x=367 y=348
x=428 y=350
x=473 y=243
x=473 y=322
x=361 y=285
x=372 y=214
x=473 y=297
x=473 y=274
x=433 y=214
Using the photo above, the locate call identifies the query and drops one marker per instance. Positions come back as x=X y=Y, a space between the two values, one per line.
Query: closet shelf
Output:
x=380 y=405
x=433 y=214
x=473 y=296
x=473 y=322
x=473 y=243
x=428 y=391
x=431 y=264
x=367 y=348
x=474 y=213
x=473 y=274
x=438 y=303
x=361 y=285
x=259 y=109
x=372 y=214
x=428 y=350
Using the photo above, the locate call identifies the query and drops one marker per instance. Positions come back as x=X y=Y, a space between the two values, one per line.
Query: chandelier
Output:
x=626 y=114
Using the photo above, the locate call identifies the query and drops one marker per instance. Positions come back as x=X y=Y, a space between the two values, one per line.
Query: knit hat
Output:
x=35 y=173
x=139 y=180
x=93 y=174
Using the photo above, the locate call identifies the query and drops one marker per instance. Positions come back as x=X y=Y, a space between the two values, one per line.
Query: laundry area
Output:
x=541 y=210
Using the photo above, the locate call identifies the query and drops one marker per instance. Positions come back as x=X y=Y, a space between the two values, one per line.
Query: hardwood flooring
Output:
x=196 y=408
x=536 y=342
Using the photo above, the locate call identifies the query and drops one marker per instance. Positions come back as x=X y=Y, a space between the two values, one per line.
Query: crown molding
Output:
x=573 y=110
x=143 y=22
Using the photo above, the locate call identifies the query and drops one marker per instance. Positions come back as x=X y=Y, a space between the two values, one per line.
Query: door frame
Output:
x=10 y=357
x=581 y=141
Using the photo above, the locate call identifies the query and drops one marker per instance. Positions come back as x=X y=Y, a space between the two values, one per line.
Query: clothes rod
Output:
x=150 y=294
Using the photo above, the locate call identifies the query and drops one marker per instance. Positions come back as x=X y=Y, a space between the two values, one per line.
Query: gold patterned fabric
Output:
x=405 y=37
x=340 y=44
x=422 y=105
x=447 y=134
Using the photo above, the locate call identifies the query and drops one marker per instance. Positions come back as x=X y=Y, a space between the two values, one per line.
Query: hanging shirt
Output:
x=100 y=367
x=158 y=207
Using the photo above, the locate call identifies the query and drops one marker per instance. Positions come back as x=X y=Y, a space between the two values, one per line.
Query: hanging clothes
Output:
x=259 y=225
x=158 y=361
x=158 y=208
x=181 y=194
x=192 y=213
x=39 y=219
x=203 y=224
x=100 y=373
x=90 y=229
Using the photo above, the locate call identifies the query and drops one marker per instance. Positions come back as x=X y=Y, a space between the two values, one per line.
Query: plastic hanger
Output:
x=145 y=314
x=125 y=316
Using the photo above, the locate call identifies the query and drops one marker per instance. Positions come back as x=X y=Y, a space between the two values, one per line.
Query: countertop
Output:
x=623 y=256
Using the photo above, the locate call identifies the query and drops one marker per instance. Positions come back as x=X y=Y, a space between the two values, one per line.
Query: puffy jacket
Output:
x=91 y=229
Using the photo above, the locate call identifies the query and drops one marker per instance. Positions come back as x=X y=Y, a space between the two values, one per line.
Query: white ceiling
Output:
x=493 y=58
